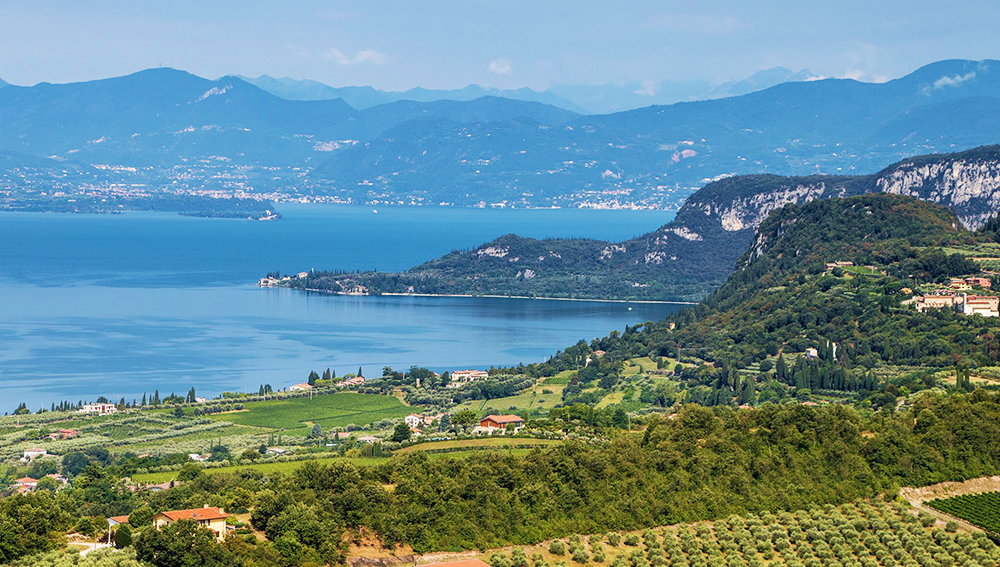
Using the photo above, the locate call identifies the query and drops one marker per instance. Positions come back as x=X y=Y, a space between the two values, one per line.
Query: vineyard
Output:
x=981 y=509
x=860 y=534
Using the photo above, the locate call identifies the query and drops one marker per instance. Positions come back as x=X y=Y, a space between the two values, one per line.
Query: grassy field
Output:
x=542 y=396
x=329 y=410
x=284 y=467
x=474 y=446
x=561 y=378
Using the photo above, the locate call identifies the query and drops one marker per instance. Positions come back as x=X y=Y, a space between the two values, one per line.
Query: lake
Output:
x=120 y=305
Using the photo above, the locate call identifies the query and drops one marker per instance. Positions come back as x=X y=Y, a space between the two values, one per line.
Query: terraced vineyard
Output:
x=860 y=534
x=981 y=509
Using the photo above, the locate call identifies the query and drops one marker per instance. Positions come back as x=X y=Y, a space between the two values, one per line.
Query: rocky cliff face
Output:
x=969 y=186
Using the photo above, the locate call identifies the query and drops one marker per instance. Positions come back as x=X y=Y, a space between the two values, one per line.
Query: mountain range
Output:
x=691 y=255
x=494 y=151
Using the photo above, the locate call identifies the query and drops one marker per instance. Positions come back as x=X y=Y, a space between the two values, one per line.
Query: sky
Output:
x=508 y=44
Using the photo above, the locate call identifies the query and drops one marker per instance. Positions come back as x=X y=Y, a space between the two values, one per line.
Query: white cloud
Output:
x=648 y=88
x=947 y=81
x=363 y=56
x=500 y=67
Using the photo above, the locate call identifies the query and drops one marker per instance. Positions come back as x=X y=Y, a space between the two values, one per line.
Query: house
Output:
x=959 y=284
x=985 y=305
x=356 y=381
x=599 y=353
x=980 y=281
x=99 y=409
x=938 y=301
x=413 y=420
x=832 y=265
x=60 y=479
x=276 y=451
x=114 y=521
x=369 y=439
x=460 y=376
x=303 y=275
x=198 y=458
x=812 y=353
x=300 y=387
x=25 y=484
x=430 y=419
x=33 y=453
x=501 y=422
x=209 y=517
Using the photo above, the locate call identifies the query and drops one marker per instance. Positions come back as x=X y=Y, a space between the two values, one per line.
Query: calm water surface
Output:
x=120 y=305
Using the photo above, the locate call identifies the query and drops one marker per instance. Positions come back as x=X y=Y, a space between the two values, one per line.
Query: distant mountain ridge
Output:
x=362 y=97
x=691 y=255
x=584 y=99
x=657 y=154
x=171 y=126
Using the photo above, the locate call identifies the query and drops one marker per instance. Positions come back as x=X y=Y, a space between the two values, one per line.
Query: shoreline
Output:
x=490 y=296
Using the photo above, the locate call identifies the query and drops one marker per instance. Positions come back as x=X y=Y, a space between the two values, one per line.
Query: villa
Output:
x=208 y=517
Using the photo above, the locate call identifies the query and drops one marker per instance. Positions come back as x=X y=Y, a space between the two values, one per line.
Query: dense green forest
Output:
x=706 y=463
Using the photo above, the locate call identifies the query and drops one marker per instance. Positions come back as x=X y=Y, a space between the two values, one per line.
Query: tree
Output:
x=250 y=454
x=123 y=536
x=313 y=377
x=464 y=417
x=316 y=432
x=74 y=464
x=359 y=372
x=189 y=471
x=182 y=544
x=141 y=516
x=401 y=432
x=557 y=547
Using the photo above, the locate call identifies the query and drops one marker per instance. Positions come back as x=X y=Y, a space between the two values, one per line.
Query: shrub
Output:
x=614 y=538
x=951 y=527
x=499 y=560
x=632 y=540
x=557 y=547
x=580 y=555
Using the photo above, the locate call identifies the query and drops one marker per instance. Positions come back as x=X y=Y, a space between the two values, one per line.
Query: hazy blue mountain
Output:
x=759 y=81
x=659 y=154
x=367 y=97
x=3 y=83
x=166 y=116
x=602 y=99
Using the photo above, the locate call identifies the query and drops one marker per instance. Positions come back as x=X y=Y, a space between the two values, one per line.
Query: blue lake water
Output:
x=96 y=305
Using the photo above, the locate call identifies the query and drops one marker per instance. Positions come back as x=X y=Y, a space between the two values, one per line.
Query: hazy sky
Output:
x=444 y=44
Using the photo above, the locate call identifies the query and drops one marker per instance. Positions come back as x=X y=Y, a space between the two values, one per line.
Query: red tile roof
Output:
x=119 y=519
x=25 y=480
x=503 y=418
x=210 y=513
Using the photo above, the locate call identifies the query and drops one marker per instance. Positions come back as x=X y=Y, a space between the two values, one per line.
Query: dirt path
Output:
x=918 y=496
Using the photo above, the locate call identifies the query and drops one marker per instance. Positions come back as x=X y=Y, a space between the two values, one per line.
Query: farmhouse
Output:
x=460 y=376
x=413 y=420
x=980 y=281
x=832 y=265
x=25 y=484
x=356 y=381
x=985 y=305
x=209 y=517
x=117 y=520
x=33 y=453
x=371 y=440
x=100 y=408
x=938 y=301
x=959 y=284
x=300 y=387
x=501 y=422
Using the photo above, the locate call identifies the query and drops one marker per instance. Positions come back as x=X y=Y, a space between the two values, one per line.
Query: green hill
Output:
x=783 y=301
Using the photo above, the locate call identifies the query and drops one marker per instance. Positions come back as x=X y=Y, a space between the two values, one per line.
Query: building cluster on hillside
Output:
x=460 y=377
x=269 y=281
x=416 y=421
x=985 y=305
x=964 y=284
x=355 y=381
